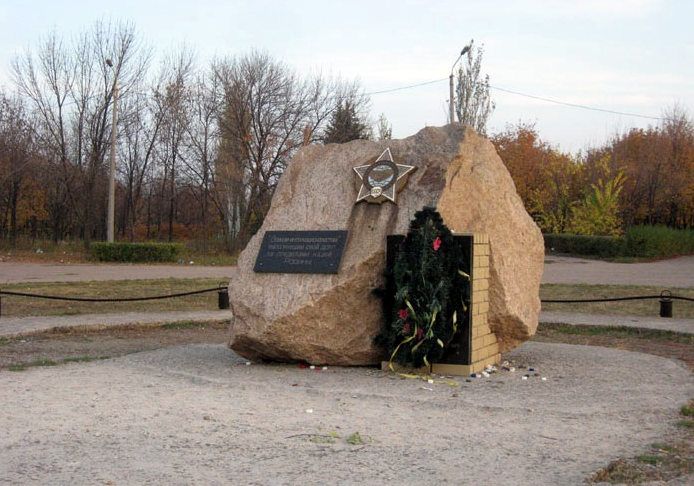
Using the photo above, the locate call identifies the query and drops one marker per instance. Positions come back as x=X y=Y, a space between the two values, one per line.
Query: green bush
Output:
x=135 y=252
x=658 y=241
x=602 y=246
x=638 y=241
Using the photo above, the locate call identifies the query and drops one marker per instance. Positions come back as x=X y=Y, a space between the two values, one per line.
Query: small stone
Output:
x=485 y=374
x=524 y=377
x=531 y=369
x=206 y=417
x=325 y=368
x=248 y=363
x=512 y=369
x=312 y=367
x=309 y=410
x=468 y=380
x=430 y=381
x=544 y=378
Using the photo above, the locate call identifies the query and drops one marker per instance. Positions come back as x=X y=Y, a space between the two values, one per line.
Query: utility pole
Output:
x=111 y=223
x=451 y=95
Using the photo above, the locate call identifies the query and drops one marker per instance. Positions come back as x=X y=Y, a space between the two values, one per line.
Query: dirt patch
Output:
x=54 y=348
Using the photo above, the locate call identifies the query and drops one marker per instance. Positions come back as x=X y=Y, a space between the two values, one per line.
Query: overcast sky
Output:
x=633 y=56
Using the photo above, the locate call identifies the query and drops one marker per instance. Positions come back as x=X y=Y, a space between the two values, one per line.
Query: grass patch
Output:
x=688 y=410
x=43 y=362
x=83 y=359
x=13 y=306
x=184 y=325
x=32 y=364
x=618 y=332
x=648 y=459
x=355 y=439
x=681 y=309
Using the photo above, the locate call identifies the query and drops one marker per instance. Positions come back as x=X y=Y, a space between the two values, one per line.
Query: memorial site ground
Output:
x=171 y=403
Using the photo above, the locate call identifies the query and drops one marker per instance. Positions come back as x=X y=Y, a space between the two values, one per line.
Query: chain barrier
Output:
x=222 y=290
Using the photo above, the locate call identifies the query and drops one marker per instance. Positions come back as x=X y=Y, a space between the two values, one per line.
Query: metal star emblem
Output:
x=382 y=179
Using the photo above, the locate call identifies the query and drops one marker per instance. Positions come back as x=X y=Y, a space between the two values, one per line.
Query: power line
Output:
x=518 y=93
x=574 y=105
x=391 y=90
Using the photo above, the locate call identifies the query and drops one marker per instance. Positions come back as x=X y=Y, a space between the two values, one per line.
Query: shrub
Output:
x=602 y=246
x=638 y=241
x=658 y=241
x=135 y=252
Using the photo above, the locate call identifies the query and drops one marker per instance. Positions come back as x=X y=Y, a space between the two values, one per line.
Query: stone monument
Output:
x=321 y=221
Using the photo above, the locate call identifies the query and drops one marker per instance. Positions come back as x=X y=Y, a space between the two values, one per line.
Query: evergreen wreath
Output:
x=428 y=286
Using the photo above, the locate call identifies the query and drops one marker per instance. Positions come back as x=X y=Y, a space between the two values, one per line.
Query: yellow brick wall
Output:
x=485 y=349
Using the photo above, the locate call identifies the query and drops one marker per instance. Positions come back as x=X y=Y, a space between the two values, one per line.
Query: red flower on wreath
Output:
x=403 y=314
x=420 y=333
x=406 y=328
x=437 y=244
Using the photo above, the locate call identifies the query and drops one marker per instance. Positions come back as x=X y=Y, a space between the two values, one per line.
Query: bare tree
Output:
x=17 y=163
x=473 y=104
x=71 y=90
x=267 y=113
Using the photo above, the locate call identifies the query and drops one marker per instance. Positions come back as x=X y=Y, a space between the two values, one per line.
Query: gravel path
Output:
x=198 y=414
x=53 y=272
x=685 y=326
x=676 y=272
x=14 y=326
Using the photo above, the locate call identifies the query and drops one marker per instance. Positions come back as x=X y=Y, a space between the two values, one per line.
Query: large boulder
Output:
x=332 y=319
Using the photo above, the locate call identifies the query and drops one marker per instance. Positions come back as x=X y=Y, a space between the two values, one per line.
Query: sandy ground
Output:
x=676 y=272
x=198 y=414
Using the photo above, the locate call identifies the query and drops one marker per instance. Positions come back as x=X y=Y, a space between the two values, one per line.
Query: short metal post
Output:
x=665 y=304
x=223 y=298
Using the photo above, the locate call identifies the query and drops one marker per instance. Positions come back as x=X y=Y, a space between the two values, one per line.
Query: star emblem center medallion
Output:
x=382 y=179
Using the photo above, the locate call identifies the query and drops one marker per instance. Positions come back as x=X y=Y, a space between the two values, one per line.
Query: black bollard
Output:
x=223 y=299
x=665 y=304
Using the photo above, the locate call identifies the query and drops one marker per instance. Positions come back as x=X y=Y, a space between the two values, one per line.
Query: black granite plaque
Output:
x=301 y=252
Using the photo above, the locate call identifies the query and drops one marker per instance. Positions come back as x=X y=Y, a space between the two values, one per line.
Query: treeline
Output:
x=199 y=148
x=640 y=177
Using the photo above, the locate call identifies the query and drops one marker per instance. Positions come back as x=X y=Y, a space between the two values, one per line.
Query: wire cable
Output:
x=400 y=88
x=574 y=105
x=526 y=95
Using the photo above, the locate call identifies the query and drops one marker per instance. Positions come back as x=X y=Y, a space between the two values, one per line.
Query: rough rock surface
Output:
x=332 y=319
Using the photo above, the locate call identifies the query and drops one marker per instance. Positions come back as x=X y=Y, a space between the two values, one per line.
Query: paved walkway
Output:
x=685 y=326
x=15 y=326
x=676 y=272
x=13 y=272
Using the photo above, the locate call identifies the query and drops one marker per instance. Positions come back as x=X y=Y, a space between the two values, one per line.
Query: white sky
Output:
x=633 y=55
